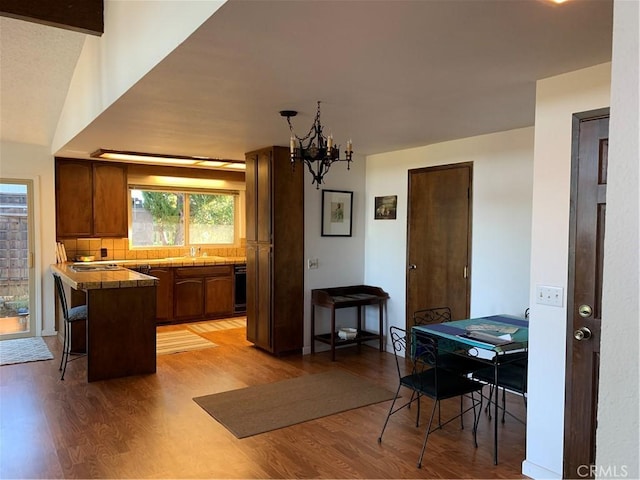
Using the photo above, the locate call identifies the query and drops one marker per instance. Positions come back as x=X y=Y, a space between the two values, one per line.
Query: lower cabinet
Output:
x=164 y=293
x=202 y=292
x=186 y=294
x=218 y=298
x=189 y=298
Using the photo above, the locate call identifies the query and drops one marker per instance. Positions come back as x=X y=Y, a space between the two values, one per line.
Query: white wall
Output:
x=137 y=36
x=618 y=426
x=340 y=259
x=34 y=162
x=502 y=189
x=557 y=99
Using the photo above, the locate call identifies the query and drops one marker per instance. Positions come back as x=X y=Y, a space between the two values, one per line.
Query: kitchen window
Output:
x=178 y=218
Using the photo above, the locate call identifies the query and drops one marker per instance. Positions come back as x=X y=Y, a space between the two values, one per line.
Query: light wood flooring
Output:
x=149 y=426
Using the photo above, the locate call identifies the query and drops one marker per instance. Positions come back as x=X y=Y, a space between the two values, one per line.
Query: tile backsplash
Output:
x=118 y=249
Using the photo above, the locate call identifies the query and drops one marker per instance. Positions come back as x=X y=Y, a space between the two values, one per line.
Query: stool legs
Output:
x=65 y=349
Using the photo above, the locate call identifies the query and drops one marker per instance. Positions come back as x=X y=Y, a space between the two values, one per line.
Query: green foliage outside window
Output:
x=158 y=218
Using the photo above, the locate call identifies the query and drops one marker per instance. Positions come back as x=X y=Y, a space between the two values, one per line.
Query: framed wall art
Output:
x=385 y=207
x=336 y=213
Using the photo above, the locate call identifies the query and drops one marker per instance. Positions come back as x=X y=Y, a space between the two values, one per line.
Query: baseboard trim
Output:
x=537 y=472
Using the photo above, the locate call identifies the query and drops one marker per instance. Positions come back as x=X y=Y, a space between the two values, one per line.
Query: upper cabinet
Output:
x=91 y=199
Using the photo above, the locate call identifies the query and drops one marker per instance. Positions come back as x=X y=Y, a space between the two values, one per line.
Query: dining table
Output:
x=489 y=340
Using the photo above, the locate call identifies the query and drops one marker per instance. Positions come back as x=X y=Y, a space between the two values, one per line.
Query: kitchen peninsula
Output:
x=121 y=323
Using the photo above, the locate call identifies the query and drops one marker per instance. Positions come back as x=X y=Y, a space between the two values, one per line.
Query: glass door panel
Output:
x=16 y=262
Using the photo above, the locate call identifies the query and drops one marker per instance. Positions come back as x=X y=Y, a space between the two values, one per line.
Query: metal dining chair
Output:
x=451 y=356
x=426 y=377
x=71 y=315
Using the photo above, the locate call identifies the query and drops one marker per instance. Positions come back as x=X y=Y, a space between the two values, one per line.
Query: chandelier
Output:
x=315 y=150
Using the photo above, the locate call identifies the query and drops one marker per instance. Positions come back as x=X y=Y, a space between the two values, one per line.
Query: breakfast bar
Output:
x=121 y=322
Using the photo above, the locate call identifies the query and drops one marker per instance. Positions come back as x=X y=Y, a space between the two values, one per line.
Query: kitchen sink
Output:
x=77 y=267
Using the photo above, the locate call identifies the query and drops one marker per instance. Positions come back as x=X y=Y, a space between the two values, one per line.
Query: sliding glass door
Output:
x=16 y=259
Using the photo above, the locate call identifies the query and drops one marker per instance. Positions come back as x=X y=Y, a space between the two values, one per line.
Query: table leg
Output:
x=333 y=334
x=313 y=328
x=381 y=326
x=495 y=418
x=359 y=326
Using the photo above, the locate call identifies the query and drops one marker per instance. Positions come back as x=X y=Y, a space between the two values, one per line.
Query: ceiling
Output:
x=390 y=74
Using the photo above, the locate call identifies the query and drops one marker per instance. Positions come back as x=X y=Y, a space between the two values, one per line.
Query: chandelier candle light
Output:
x=315 y=150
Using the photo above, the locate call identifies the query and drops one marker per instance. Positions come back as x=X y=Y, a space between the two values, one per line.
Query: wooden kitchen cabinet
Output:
x=91 y=199
x=164 y=297
x=189 y=298
x=74 y=214
x=275 y=251
x=110 y=200
x=218 y=299
x=203 y=292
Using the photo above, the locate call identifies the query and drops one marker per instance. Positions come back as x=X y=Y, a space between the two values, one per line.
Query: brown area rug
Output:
x=261 y=408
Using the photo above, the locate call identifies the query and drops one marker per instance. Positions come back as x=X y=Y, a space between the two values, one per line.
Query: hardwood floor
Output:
x=149 y=426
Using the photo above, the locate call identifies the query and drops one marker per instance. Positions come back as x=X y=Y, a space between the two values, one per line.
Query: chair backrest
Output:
x=63 y=299
x=420 y=350
x=399 y=343
x=428 y=316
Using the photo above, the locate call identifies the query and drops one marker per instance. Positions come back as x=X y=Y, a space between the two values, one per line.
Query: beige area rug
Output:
x=216 y=325
x=176 y=341
x=261 y=408
x=22 y=350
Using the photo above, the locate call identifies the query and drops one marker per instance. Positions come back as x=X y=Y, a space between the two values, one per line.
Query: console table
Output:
x=357 y=296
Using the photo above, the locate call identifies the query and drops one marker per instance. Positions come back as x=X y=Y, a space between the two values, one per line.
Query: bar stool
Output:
x=71 y=315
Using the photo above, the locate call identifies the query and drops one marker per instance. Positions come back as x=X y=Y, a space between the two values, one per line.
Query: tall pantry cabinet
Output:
x=275 y=251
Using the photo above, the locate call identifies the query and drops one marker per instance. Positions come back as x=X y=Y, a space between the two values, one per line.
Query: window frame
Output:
x=185 y=212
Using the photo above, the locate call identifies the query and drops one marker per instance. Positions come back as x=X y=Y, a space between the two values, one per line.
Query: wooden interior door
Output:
x=586 y=247
x=439 y=239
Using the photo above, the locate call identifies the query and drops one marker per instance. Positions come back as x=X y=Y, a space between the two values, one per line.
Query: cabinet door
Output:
x=218 y=300
x=74 y=214
x=164 y=294
x=109 y=200
x=264 y=312
x=251 y=197
x=188 y=298
x=259 y=324
x=264 y=197
x=252 y=289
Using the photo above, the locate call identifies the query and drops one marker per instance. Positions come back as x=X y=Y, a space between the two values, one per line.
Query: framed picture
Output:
x=385 y=207
x=336 y=213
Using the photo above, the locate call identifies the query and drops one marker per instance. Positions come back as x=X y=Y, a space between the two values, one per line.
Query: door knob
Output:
x=412 y=266
x=585 y=311
x=582 y=334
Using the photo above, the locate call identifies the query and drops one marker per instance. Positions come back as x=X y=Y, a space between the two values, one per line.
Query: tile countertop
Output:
x=172 y=261
x=125 y=278
x=179 y=261
x=121 y=278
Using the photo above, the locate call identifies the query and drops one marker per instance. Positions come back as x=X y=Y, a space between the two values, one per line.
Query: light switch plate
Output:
x=548 y=295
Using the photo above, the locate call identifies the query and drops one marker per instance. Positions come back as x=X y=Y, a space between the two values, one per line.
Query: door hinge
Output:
x=465 y=273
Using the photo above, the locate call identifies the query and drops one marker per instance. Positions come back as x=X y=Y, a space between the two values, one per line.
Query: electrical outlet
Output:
x=103 y=252
x=312 y=263
x=546 y=295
